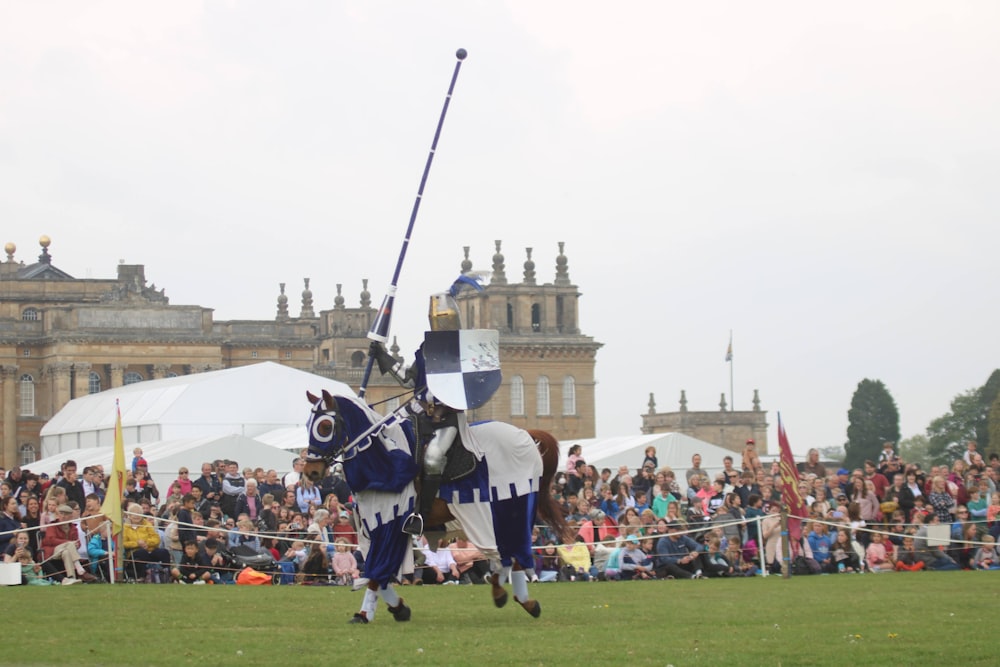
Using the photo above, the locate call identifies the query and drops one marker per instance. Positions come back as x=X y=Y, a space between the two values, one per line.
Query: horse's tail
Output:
x=548 y=509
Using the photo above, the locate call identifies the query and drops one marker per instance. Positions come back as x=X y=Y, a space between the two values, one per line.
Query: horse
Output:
x=495 y=506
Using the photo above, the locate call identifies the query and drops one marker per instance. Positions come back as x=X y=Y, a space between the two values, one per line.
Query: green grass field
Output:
x=924 y=618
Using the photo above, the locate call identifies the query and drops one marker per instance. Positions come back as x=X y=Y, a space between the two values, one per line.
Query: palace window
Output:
x=26 y=407
x=517 y=396
x=543 y=397
x=28 y=455
x=30 y=315
x=132 y=377
x=569 y=395
x=94 y=383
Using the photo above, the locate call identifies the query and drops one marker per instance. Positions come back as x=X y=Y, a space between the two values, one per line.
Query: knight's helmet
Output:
x=443 y=313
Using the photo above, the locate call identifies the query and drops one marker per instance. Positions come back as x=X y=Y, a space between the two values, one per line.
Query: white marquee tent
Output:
x=246 y=401
x=672 y=449
x=166 y=457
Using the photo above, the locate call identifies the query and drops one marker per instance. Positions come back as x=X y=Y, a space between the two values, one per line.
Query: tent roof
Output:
x=247 y=400
x=167 y=456
x=672 y=449
x=290 y=439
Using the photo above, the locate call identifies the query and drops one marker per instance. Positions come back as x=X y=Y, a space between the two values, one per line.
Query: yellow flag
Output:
x=112 y=506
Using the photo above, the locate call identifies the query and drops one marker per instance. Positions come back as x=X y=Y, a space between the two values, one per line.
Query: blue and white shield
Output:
x=463 y=367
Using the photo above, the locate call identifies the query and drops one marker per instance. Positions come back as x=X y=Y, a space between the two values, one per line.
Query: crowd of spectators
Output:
x=875 y=518
x=886 y=515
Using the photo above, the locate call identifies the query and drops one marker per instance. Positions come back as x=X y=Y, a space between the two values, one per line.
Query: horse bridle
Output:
x=327 y=426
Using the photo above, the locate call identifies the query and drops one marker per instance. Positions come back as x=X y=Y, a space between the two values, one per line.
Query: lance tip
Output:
x=461 y=53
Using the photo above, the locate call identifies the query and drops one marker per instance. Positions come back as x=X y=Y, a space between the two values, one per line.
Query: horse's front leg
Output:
x=519 y=581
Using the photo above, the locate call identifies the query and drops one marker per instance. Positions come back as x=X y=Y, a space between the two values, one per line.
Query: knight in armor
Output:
x=434 y=416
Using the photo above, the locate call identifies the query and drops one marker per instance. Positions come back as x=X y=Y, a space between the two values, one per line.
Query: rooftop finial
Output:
x=282 y=303
x=499 y=277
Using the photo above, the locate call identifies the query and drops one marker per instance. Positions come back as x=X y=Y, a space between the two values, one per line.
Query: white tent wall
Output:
x=247 y=401
x=673 y=450
x=166 y=457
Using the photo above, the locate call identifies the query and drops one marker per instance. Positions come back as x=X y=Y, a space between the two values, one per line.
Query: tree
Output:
x=968 y=420
x=914 y=450
x=993 y=424
x=872 y=420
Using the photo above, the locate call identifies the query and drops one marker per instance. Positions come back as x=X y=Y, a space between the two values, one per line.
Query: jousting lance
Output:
x=379 y=331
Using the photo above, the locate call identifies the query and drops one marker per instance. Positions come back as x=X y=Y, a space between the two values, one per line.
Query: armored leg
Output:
x=435 y=457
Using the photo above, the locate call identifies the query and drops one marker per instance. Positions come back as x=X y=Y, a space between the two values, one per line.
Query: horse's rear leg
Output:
x=519 y=581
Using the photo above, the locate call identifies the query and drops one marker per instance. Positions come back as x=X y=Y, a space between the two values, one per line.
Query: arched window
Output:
x=30 y=315
x=94 y=383
x=171 y=374
x=569 y=395
x=27 y=454
x=26 y=406
x=517 y=396
x=536 y=317
x=543 y=397
x=131 y=378
x=357 y=359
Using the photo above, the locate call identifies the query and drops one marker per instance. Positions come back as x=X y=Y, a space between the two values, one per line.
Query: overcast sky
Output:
x=819 y=178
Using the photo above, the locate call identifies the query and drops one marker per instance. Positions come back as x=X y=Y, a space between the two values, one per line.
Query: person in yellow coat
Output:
x=143 y=553
x=575 y=559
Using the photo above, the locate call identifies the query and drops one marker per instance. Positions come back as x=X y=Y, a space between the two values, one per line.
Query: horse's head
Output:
x=327 y=435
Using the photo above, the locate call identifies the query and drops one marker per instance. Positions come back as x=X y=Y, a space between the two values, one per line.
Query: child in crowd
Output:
x=715 y=561
x=986 y=557
x=650 y=458
x=907 y=557
x=345 y=568
x=879 y=558
x=193 y=568
x=136 y=455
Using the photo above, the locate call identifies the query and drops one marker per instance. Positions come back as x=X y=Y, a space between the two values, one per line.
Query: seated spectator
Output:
x=576 y=562
x=439 y=566
x=193 y=568
x=61 y=544
x=97 y=552
x=635 y=563
x=316 y=568
x=986 y=556
x=715 y=561
x=879 y=559
x=345 y=568
x=473 y=567
x=843 y=554
x=677 y=555
x=907 y=557
x=547 y=564
x=142 y=546
x=820 y=543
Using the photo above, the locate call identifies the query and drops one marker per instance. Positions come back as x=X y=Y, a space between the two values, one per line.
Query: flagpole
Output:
x=732 y=403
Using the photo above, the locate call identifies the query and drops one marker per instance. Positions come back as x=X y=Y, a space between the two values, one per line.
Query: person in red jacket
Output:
x=61 y=542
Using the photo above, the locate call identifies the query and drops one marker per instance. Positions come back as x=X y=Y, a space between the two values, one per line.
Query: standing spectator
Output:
x=249 y=502
x=812 y=464
x=72 y=485
x=292 y=478
x=211 y=487
x=941 y=501
x=233 y=484
x=695 y=468
x=10 y=521
x=183 y=480
x=271 y=484
x=144 y=482
x=306 y=494
x=878 y=479
x=750 y=459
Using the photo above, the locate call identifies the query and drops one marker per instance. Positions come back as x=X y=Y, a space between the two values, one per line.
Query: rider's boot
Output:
x=429 y=486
